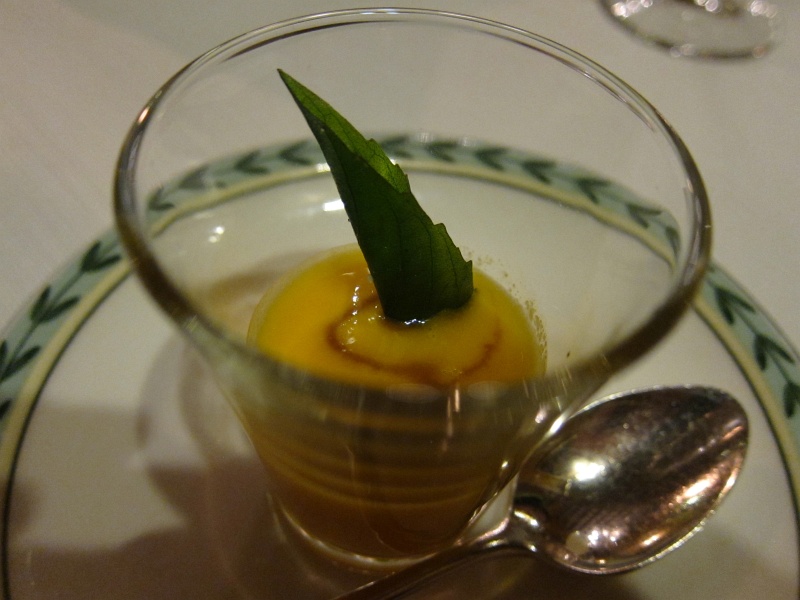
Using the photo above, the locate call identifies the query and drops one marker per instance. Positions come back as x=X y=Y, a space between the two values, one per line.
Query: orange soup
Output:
x=384 y=477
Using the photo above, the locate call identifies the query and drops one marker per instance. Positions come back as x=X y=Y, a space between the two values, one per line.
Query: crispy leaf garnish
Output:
x=417 y=269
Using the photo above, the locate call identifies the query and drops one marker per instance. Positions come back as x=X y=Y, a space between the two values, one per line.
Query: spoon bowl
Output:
x=630 y=478
x=621 y=484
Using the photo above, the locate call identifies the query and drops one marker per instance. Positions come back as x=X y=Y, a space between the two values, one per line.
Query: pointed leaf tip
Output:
x=417 y=269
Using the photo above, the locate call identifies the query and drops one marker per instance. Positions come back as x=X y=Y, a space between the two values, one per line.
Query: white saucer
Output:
x=126 y=476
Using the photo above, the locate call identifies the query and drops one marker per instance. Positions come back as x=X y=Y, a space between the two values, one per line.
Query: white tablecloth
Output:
x=74 y=73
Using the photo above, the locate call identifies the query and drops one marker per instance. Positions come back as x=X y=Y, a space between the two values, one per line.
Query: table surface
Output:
x=74 y=73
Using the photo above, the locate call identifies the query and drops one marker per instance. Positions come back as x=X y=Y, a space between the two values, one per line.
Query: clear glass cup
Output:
x=554 y=176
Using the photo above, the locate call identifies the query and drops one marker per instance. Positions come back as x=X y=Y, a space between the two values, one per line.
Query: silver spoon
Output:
x=622 y=483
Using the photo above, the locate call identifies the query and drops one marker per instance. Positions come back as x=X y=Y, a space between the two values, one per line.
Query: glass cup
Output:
x=702 y=28
x=555 y=177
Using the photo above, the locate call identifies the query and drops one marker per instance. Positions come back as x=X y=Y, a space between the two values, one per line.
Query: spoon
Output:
x=622 y=483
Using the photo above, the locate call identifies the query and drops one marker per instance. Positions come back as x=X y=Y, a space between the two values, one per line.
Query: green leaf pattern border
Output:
x=32 y=343
x=28 y=337
x=557 y=181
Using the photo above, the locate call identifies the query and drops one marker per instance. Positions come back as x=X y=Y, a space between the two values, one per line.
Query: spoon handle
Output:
x=428 y=569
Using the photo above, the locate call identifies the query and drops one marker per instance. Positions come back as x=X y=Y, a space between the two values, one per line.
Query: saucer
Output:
x=126 y=475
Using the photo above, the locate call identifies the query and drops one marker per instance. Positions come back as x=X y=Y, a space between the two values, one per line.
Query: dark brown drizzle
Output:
x=418 y=372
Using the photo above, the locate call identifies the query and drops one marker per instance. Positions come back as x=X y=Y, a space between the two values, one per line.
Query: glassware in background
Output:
x=702 y=28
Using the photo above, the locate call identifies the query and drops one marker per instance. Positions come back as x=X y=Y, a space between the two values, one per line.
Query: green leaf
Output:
x=491 y=157
x=642 y=214
x=252 y=164
x=56 y=310
x=396 y=146
x=4 y=406
x=158 y=202
x=540 y=169
x=96 y=259
x=731 y=304
x=674 y=239
x=791 y=397
x=765 y=347
x=40 y=306
x=591 y=187
x=294 y=154
x=18 y=362
x=196 y=180
x=47 y=308
x=441 y=150
x=417 y=269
